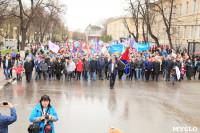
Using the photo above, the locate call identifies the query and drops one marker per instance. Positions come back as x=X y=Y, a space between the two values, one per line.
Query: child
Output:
x=18 y=71
x=173 y=73
x=182 y=73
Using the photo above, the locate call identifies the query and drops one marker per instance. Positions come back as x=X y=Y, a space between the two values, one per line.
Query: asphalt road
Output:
x=91 y=107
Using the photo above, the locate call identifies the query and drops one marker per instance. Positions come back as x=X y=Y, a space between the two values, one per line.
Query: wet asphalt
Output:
x=91 y=107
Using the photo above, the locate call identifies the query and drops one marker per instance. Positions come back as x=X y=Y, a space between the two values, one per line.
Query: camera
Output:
x=47 y=116
x=5 y=103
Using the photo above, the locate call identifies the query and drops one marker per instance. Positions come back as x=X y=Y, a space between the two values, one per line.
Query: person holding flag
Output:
x=112 y=69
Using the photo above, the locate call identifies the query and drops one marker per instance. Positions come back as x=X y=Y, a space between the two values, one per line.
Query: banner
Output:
x=53 y=47
x=116 y=48
x=104 y=49
x=143 y=47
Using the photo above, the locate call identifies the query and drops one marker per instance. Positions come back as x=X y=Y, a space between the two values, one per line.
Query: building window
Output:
x=194 y=6
x=178 y=32
x=180 y=9
x=191 y=31
x=186 y=8
x=184 y=31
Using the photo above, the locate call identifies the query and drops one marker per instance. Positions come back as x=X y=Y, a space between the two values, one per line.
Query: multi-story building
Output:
x=118 y=31
x=185 y=23
x=93 y=32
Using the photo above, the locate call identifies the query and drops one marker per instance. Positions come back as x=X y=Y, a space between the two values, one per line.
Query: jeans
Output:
x=168 y=74
x=7 y=73
x=38 y=74
x=92 y=75
x=86 y=75
x=138 y=72
x=173 y=78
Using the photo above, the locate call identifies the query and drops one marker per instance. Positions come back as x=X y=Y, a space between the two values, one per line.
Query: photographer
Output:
x=43 y=115
x=7 y=120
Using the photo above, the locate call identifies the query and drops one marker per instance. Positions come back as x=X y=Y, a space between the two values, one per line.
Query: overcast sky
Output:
x=81 y=13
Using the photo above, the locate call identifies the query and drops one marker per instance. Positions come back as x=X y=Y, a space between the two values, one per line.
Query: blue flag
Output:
x=143 y=47
x=116 y=48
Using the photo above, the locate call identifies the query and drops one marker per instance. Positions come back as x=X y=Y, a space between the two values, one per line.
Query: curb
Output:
x=7 y=83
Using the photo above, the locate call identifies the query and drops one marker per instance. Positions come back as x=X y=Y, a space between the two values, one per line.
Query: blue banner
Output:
x=143 y=47
x=116 y=48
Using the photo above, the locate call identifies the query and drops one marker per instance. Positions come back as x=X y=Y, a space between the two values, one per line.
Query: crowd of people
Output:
x=75 y=65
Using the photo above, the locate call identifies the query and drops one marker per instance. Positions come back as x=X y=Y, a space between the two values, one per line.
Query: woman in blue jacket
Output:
x=44 y=115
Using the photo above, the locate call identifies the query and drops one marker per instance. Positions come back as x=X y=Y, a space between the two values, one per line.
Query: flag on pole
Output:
x=73 y=46
x=126 y=61
x=53 y=47
x=98 y=46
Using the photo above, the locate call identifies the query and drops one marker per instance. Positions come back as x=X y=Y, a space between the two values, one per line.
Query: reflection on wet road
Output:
x=91 y=107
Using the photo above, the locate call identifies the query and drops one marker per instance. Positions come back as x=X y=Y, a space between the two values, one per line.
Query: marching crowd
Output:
x=143 y=65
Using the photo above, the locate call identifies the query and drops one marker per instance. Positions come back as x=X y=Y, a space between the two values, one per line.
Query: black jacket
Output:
x=93 y=65
x=28 y=66
x=169 y=65
x=139 y=64
x=114 y=72
x=156 y=67
x=178 y=64
x=132 y=65
x=9 y=64
x=58 y=67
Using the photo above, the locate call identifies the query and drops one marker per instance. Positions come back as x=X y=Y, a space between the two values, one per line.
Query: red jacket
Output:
x=79 y=66
x=18 y=70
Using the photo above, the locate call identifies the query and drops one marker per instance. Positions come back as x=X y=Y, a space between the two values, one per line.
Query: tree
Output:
x=106 y=38
x=161 y=6
x=134 y=11
x=26 y=16
x=3 y=9
x=148 y=17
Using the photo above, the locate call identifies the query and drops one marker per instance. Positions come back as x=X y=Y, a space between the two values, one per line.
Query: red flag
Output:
x=73 y=47
x=80 y=46
x=86 y=45
x=125 y=56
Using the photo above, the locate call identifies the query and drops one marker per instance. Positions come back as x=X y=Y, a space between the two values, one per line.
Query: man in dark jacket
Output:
x=93 y=67
x=139 y=67
x=28 y=66
x=86 y=68
x=59 y=68
x=156 y=69
x=132 y=69
x=107 y=62
x=7 y=66
x=112 y=71
x=169 y=66
x=148 y=67
x=7 y=120
x=101 y=67
x=178 y=64
x=121 y=69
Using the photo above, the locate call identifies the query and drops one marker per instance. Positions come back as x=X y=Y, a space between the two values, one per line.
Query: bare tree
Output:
x=148 y=17
x=134 y=10
x=161 y=6
x=26 y=16
x=3 y=8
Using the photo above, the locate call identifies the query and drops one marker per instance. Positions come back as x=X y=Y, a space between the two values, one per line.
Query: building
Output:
x=93 y=32
x=185 y=23
x=118 y=31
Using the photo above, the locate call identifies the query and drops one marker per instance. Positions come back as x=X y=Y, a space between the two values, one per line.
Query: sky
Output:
x=81 y=13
